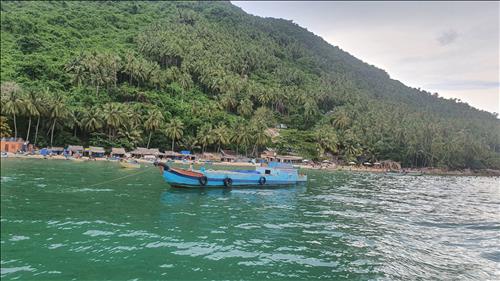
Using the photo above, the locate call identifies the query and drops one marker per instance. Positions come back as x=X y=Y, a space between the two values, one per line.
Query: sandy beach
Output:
x=327 y=167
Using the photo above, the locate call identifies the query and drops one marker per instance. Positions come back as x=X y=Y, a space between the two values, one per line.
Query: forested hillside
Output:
x=207 y=75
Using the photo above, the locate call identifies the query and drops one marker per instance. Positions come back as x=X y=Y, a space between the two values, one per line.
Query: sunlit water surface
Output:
x=57 y=224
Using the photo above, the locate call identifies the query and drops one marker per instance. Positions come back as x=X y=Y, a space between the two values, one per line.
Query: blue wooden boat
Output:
x=274 y=174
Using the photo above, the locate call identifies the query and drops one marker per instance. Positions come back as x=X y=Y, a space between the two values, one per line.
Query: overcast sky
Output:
x=451 y=48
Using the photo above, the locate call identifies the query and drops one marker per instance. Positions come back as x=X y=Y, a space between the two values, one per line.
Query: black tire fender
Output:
x=262 y=180
x=228 y=182
x=203 y=180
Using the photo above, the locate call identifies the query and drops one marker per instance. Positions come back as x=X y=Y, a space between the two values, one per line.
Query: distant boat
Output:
x=130 y=164
x=414 y=174
x=276 y=174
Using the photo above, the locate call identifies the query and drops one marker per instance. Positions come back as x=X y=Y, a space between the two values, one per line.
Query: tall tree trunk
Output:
x=29 y=128
x=52 y=132
x=97 y=90
x=74 y=132
x=109 y=133
x=173 y=140
x=15 y=126
x=36 y=131
x=149 y=139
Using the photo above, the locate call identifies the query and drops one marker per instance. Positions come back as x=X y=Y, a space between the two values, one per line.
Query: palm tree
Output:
x=74 y=120
x=92 y=120
x=245 y=108
x=341 y=119
x=59 y=110
x=128 y=66
x=40 y=103
x=220 y=136
x=4 y=128
x=114 y=116
x=31 y=109
x=12 y=104
x=326 y=139
x=205 y=136
x=243 y=136
x=310 y=108
x=153 y=122
x=261 y=138
x=134 y=115
x=190 y=143
x=174 y=130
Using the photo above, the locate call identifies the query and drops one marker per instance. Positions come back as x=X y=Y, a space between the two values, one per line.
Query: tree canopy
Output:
x=206 y=75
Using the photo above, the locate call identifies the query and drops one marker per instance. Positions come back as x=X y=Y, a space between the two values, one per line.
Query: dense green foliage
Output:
x=207 y=75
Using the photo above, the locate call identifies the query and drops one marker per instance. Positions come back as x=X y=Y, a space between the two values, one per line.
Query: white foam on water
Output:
x=7 y=179
x=166 y=265
x=94 y=233
x=8 y=270
x=55 y=246
x=19 y=238
x=94 y=190
x=247 y=226
x=139 y=233
x=6 y=262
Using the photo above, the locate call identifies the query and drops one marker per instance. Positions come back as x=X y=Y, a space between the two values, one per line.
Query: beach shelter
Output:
x=117 y=152
x=75 y=149
x=186 y=154
x=96 y=151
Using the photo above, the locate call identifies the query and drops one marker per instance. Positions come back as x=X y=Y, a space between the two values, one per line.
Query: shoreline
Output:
x=329 y=168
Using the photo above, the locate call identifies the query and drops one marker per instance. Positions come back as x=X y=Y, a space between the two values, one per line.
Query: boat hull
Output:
x=189 y=179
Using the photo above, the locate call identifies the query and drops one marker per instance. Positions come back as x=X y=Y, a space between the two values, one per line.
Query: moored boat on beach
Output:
x=275 y=174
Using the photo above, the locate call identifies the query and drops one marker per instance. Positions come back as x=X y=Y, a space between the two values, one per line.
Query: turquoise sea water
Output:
x=57 y=225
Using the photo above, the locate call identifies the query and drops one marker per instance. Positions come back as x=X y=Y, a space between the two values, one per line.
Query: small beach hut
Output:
x=117 y=152
x=186 y=154
x=96 y=151
x=172 y=155
x=289 y=159
x=11 y=145
x=138 y=152
x=228 y=156
x=210 y=156
x=154 y=153
x=268 y=155
x=142 y=152
x=75 y=149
